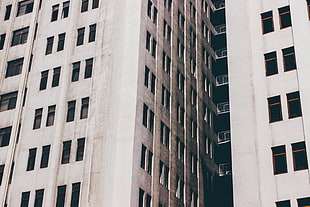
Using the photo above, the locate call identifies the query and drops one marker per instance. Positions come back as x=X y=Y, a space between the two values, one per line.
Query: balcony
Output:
x=223 y=136
x=225 y=169
x=222 y=108
x=221 y=53
x=219 y=5
x=222 y=80
x=220 y=29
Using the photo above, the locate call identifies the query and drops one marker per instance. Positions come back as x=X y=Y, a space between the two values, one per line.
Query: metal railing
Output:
x=223 y=136
x=220 y=28
x=221 y=53
x=224 y=169
x=222 y=107
x=222 y=80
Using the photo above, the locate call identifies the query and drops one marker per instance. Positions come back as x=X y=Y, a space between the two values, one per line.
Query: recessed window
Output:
x=2 y=40
x=80 y=149
x=180 y=114
x=92 y=33
x=75 y=196
x=286 y=203
x=66 y=149
x=65 y=9
x=38 y=201
x=167 y=31
x=50 y=115
x=8 y=101
x=25 y=7
x=166 y=63
x=49 y=45
x=289 y=60
x=43 y=81
x=179 y=192
x=5 y=134
x=31 y=159
x=71 y=111
x=37 y=118
x=14 y=67
x=45 y=156
x=164 y=135
x=61 y=41
x=55 y=10
x=75 y=71
x=8 y=12
x=293 y=103
x=25 y=199
x=146 y=159
x=303 y=202
x=95 y=4
x=148 y=118
x=61 y=195
x=56 y=76
x=80 y=36
x=308 y=7
x=20 y=36
x=193 y=163
x=275 y=111
x=285 y=17
x=84 y=108
x=1 y=173
x=192 y=65
x=267 y=22
x=144 y=199
x=181 y=81
x=299 y=156
x=279 y=160
x=163 y=174
x=88 y=67
x=271 y=65
x=84 y=6
x=167 y=4
x=165 y=97
x=181 y=20
x=180 y=149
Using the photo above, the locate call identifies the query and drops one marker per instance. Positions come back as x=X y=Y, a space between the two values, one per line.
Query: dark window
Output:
x=5 y=134
x=80 y=36
x=275 y=111
x=45 y=156
x=303 y=202
x=31 y=159
x=293 y=103
x=141 y=197
x=271 y=65
x=55 y=10
x=20 y=36
x=144 y=199
x=154 y=43
x=25 y=199
x=80 y=149
x=267 y=22
x=66 y=149
x=71 y=111
x=308 y=7
x=84 y=108
x=8 y=12
x=61 y=41
x=149 y=8
x=155 y=15
x=65 y=9
x=49 y=45
x=25 y=7
x=181 y=20
x=56 y=76
x=153 y=82
x=75 y=71
x=37 y=118
x=95 y=4
x=279 y=160
x=84 y=6
x=148 y=41
x=75 y=196
x=1 y=173
x=146 y=76
x=143 y=156
x=88 y=68
x=167 y=4
x=2 y=39
x=61 y=195
x=289 y=60
x=14 y=67
x=50 y=115
x=38 y=201
x=285 y=17
x=299 y=156
x=44 y=77
x=164 y=134
x=92 y=33
x=8 y=101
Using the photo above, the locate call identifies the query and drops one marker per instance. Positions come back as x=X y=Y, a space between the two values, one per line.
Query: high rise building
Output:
x=114 y=103
x=268 y=47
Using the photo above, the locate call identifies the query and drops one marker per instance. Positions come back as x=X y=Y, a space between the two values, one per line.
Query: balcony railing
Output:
x=223 y=137
x=222 y=80
x=222 y=107
x=221 y=53
x=220 y=28
x=219 y=5
x=224 y=169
